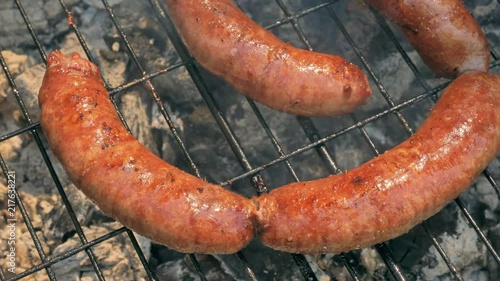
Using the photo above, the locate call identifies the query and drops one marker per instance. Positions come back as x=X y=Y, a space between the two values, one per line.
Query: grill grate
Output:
x=317 y=142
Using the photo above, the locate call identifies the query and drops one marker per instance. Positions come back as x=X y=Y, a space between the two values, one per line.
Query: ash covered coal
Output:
x=208 y=146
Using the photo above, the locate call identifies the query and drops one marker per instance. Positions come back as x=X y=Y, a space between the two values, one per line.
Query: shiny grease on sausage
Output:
x=377 y=201
x=258 y=64
x=123 y=178
x=443 y=32
x=390 y=194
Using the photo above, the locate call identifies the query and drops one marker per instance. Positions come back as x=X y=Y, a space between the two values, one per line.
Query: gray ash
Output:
x=210 y=150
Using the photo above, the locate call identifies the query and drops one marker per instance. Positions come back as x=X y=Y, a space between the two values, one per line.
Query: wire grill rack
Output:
x=317 y=142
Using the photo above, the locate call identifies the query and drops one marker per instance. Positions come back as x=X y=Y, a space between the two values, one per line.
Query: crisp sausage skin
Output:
x=258 y=64
x=126 y=180
x=375 y=202
x=389 y=195
x=443 y=32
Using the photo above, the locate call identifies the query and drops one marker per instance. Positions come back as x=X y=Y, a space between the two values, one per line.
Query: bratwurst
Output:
x=443 y=32
x=123 y=178
x=389 y=195
x=377 y=201
x=258 y=64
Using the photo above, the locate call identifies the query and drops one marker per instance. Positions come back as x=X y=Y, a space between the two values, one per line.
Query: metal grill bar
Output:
x=443 y=254
x=441 y=251
x=390 y=262
x=293 y=173
x=310 y=130
x=495 y=56
x=426 y=87
x=473 y=223
x=382 y=22
x=227 y=131
x=306 y=123
x=31 y=30
x=149 y=87
x=451 y=266
x=59 y=187
x=372 y=74
x=249 y=271
x=19 y=131
x=384 y=25
x=74 y=28
x=412 y=66
x=495 y=63
x=382 y=249
x=144 y=78
x=200 y=84
x=58 y=258
x=27 y=220
x=271 y=136
x=302 y=13
x=313 y=135
x=316 y=141
x=5 y=169
x=69 y=208
x=336 y=134
x=392 y=37
x=492 y=181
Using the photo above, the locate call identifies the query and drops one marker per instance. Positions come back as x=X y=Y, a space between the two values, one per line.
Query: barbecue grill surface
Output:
x=202 y=126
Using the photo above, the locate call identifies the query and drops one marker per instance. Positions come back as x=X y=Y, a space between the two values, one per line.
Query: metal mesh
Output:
x=317 y=141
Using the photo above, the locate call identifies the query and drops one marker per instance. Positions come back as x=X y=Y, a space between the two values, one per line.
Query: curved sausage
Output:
x=377 y=201
x=256 y=63
x=387 y=196
x=443 y=32
x=126 y=180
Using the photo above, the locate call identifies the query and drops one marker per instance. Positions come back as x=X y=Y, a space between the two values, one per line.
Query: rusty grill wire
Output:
x=317 y=142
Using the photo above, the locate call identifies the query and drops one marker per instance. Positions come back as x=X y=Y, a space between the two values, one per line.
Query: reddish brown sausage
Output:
x=443 y=32
x=378 y=201
x=256 y=63
x=123 y=178
x=392 y=193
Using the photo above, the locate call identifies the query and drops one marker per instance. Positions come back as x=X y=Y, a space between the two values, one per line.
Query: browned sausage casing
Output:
x=443 y=32
x=392 y=193
x=375 y=202
x=256 y=63
x=126 y=180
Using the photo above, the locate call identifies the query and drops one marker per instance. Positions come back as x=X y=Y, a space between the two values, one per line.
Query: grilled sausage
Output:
x=443 y=32
x=387 y=196
x=256 y=63
x=126 y=180
x=377 y=201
